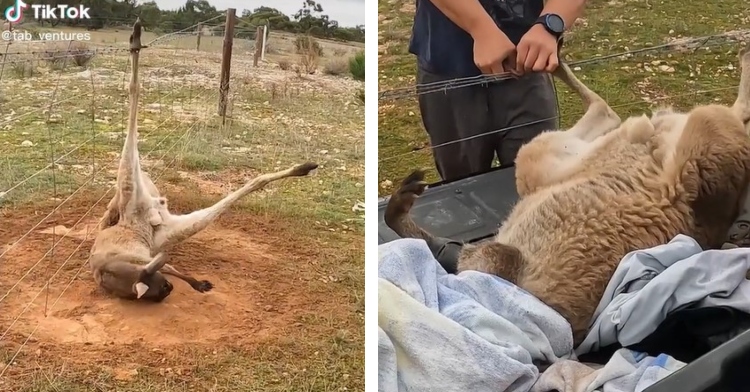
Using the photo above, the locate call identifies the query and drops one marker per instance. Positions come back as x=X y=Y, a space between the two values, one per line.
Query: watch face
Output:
x=555 y=23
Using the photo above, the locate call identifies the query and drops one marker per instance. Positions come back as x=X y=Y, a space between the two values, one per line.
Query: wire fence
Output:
x=63 y=119
x=677 y=44
x=684 y=44
x=62 y=147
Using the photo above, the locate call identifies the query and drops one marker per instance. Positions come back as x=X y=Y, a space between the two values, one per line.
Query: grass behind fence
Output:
x=633 y=84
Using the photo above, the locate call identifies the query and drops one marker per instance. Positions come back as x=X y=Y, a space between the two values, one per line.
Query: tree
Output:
x=275 y=19
x=150 y=15
x=310 y=19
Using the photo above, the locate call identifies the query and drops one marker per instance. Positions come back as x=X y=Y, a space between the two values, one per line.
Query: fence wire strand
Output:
x=186 y=29
x=434 y=87
x=663 y=98
x=78 y=271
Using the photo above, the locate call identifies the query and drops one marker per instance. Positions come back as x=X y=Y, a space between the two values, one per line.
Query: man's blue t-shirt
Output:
x=445 y=49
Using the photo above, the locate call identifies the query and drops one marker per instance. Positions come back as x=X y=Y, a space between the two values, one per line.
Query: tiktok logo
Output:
x=13 y=13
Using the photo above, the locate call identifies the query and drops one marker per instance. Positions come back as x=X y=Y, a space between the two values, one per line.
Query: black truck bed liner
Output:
x=466 y=210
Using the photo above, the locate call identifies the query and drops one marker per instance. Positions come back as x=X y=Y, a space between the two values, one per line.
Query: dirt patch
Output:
x=218 y=183
x=256 y=272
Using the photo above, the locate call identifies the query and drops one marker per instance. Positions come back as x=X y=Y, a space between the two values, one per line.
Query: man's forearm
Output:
x=467 y=14
x=569 y=10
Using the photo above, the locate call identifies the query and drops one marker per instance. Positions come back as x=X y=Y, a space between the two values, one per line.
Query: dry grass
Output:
x=309 y=54
x=338 y=66
x=285 y=65
x=23 y=69
x=59 y=55
x=305 y=44
x=632 y=84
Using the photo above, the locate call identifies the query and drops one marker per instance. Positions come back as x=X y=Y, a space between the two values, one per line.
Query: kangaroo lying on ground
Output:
x=137 y=227
x=593 y=193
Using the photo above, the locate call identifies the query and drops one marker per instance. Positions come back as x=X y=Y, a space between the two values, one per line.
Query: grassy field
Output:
x=279 y=48
x=632 y=84
x=287 y=312
x=212 y=39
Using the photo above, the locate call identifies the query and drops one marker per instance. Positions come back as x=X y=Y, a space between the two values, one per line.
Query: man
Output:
x=462 y=38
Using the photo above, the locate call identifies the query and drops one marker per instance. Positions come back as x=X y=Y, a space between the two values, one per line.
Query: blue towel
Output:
x=466 y=332
x=477 y=332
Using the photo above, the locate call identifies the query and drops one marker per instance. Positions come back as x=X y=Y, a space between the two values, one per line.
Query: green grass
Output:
x=272 y=126
x=357 y=66
x=626 y=83
x=283 y=365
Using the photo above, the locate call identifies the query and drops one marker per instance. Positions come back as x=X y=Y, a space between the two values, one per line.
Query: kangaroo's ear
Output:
x=140 y=289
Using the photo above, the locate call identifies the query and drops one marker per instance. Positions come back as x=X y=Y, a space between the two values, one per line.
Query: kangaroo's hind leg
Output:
x=132 y=194
x=741 y=106
x=201 y=286
x=398 y=219
x=177 y=228
x=555 y=156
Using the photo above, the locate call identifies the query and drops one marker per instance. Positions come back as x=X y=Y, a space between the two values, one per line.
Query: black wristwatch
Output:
x=553 y=23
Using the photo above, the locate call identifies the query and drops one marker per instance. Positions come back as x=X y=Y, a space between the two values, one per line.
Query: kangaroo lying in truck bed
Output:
x=593 y=193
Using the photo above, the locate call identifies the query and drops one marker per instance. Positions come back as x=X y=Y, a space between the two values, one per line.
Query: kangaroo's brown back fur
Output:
x=593 y=193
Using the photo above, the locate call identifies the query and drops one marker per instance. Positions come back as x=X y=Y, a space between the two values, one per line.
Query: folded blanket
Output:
x=651 y=283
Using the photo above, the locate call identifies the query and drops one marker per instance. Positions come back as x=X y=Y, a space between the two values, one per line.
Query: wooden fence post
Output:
x=226 y=61
x=258 y=45
x=263 y=46
x=198 y=39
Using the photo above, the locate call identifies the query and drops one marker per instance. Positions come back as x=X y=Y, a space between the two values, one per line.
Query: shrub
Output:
x=336 y=66
x=309 y=62
x=284 y=64
x=23 y=69
x=271 y=47
x=310 y=53
x=357 y=66
x=304 y=44
x=62 y=55
x=80 y=53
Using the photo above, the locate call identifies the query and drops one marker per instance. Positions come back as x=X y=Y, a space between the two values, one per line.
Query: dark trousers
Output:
x=467 y=112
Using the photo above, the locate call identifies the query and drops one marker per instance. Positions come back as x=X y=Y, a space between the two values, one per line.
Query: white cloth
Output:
x=626 y=371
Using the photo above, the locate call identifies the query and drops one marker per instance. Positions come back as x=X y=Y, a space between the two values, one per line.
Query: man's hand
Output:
x=494 y=53
x=537 y=51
